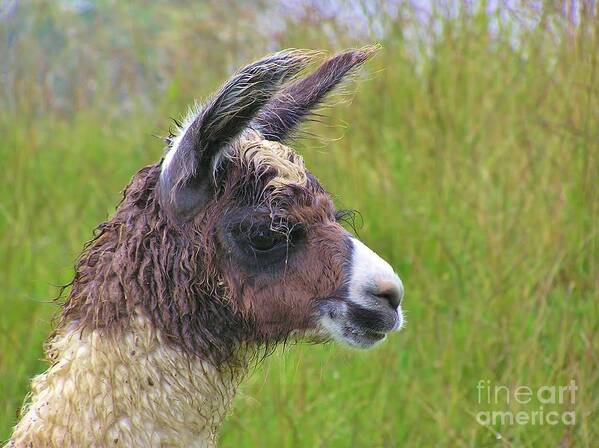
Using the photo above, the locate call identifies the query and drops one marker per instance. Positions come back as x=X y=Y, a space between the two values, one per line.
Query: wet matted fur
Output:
x=226 y=246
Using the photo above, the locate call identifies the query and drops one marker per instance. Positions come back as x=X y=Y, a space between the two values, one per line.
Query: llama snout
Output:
x=372 y=280
x=370 y=305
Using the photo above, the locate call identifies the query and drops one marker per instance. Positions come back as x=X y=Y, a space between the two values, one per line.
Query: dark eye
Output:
x=264 y=239
x=263 y=244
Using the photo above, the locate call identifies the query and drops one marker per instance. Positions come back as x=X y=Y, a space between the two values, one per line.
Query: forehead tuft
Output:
x=258 y=155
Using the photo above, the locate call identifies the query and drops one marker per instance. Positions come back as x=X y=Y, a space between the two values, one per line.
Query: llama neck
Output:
x=125 y=388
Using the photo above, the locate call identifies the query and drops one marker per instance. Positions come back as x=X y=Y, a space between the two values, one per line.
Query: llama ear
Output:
x=283 y=113
x=186 y=180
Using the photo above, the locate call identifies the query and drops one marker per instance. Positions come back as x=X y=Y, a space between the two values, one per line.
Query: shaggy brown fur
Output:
x=182 y=274
x=181 y=271
x=182 y=285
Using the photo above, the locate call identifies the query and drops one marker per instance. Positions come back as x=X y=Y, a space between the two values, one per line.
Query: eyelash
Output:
x=348 y=217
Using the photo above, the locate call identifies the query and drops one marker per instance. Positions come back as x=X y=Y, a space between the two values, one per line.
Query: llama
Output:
x=225 y=248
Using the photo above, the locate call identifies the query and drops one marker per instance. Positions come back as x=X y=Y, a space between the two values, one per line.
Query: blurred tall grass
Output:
x=471 y=149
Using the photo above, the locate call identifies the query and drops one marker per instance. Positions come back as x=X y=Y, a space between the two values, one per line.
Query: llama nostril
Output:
x=388 y=291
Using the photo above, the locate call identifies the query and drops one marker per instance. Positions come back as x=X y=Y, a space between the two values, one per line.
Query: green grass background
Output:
x=471 y=149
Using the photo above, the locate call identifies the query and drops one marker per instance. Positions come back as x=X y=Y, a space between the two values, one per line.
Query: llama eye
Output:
x=264 y=240
x=260 y=245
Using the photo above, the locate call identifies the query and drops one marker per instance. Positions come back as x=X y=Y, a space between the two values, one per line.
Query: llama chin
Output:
x=223 y=249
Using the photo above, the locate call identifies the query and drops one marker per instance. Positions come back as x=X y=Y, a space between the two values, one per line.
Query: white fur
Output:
x=126 y=389
x=333 y=327
x=192 y=113
x=368 y=268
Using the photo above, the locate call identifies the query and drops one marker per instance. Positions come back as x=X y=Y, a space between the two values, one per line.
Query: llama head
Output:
x=266 y=231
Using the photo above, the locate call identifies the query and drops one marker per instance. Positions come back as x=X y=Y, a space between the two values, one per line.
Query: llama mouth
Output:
x=358 y=326
x=361 y=337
